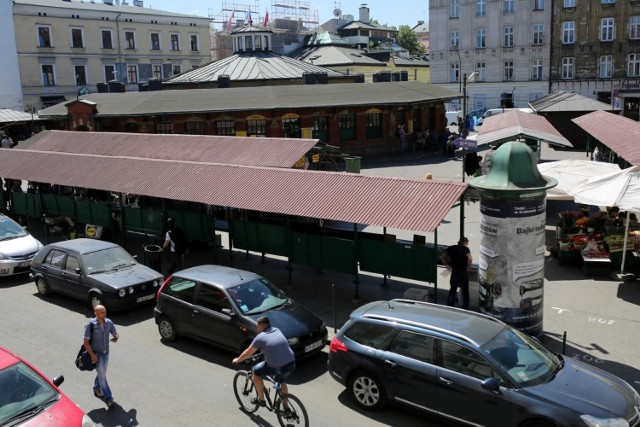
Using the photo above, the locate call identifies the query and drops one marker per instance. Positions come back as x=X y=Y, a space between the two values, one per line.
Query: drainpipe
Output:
x=119 y=47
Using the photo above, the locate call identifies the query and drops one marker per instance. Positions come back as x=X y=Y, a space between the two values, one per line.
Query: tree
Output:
x=407 y=38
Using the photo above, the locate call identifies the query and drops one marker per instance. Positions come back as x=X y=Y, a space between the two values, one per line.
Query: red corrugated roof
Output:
x=418 y=205
x=513 y=124
x=233 y=150
x=619 y=133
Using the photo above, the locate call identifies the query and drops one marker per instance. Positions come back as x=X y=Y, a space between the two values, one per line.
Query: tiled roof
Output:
x=262 y=98
x=514 y=124
x=251 y=66
x=565 y=102
x=232 y=150
x=620 y=134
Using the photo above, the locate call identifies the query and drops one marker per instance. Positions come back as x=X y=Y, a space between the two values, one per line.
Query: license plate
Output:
x=145 y=298
x=312 y=346
x=25 y=264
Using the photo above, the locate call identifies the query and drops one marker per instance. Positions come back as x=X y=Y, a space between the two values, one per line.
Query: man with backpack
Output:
x=176 y=241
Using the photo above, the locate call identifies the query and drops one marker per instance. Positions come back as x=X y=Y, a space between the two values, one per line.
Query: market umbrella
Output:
x=621 y=189
x=571 y=173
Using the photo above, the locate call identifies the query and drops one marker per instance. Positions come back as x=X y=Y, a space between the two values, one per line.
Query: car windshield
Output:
x=10 y=230
x=23 y=393
x=524 y=359
x=257 y=296
x=107 y=259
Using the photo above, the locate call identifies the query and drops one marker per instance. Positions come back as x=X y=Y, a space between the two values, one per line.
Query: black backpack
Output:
x=179 y=239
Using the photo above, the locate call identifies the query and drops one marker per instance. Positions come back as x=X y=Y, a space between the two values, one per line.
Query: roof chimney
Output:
x=364 y=13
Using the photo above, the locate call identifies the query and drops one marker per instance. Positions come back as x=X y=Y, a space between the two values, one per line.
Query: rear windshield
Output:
x=370 y=334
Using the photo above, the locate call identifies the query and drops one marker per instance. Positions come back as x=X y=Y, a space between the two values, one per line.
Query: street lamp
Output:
x=472 y=78
x=455 y=48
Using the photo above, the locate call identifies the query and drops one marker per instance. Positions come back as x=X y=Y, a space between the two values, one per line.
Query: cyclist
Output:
x=278 y=357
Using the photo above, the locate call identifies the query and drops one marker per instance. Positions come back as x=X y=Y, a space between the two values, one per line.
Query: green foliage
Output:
x=407 y=38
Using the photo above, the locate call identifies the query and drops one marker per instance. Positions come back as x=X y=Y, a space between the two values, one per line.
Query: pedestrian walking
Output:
x=96 y=342
x=402 y=135
x=176 y=241
x=5 y=141
x=459 y=260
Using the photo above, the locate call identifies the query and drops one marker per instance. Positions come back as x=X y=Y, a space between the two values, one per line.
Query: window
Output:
x=454 y=10
x=248 y=43
x=55 y=258
x=44 y=37
x=569 y=3
x=194 y=128
x=606 y=66
x=257 y=42
x=175 y=42
x=195 y=46
x=374 y=125
x=413 y=345
x=81 y=75
x=181 y=289
x=73 y=263
x=509 y=6
x=538 y=4
x=568 y=32
x=164 y=127
x=320 y=128
x=508 y=70
x=508 y=36
x=76 y=38
x=132 y=74
x=155 y=41
x=258 y=127
x=156 y=70
x=481 y=68
x=463 y=360
x=633 y=69
x=129 y=40
x=455 y=38
x=481 y=38
x=608 y=1
x=607 y=29
x=107 y=39
x=212 y=298
x=370 y=335
x=634 y=27
x=481 y=7
x=536 y=69
x=176 y=69
x=538 y=34
x=109 y=73
x=454 y=74
x=291 y=127
x=226 y=127
x=347 y=125
x=48 y=76
x=568 y=68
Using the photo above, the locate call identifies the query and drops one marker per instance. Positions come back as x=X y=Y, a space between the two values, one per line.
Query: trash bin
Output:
x=352 y=163
x=153 y=256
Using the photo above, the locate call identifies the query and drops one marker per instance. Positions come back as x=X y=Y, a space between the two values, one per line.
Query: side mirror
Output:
x=77 y=270
x=491 y=384
x=58 y=380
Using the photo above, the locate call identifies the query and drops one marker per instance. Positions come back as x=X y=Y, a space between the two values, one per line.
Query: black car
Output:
x=96 y=271
x=220 y=305
x=471 y=368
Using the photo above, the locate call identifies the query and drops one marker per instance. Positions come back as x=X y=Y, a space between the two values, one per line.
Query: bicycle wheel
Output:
x=291 y=412
x=245 y=391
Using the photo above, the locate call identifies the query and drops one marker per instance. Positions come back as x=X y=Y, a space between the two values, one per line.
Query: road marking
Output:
x=561 y=310
x=593 y=319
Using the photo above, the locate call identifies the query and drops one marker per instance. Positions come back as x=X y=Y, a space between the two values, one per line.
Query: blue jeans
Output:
x=101 y=378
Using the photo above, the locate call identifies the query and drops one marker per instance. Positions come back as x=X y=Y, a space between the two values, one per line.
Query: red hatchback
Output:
x=29 y=399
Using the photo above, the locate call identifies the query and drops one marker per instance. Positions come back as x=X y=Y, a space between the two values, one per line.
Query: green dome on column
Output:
x=513 y=168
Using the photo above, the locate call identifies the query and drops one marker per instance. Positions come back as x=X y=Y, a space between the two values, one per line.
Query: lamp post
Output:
x=472 y=78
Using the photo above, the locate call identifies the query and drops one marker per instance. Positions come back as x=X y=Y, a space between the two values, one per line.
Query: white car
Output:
x=17 y=247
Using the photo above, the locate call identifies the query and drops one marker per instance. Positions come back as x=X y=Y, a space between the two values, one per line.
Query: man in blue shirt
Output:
x=96 y=342
x=278 y=356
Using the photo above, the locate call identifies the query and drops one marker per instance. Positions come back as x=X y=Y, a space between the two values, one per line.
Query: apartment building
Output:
x=503 y=46
x=66 y=48
x=596 y=51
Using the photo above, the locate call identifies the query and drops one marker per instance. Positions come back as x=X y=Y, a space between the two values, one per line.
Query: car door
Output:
x=71 y=278
x=461 y=397
x=176 y=302
x=52 y=268
x=409 y=373
x=210 y=322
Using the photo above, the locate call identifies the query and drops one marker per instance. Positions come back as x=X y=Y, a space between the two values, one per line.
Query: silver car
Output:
x=17 y=247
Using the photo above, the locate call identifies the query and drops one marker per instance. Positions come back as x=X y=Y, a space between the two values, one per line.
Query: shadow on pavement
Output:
x=114 y=416
x=629 y=291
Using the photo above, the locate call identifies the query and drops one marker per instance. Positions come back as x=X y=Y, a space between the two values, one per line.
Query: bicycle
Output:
x=287 y=407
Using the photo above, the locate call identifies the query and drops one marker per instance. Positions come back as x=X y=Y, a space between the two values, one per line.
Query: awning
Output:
x=516 y=124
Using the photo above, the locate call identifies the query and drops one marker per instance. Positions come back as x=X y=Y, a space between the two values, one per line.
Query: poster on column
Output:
x=511 y=265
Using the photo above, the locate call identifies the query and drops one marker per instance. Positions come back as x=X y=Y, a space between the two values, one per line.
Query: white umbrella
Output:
x=621 y=189
x=571 y=173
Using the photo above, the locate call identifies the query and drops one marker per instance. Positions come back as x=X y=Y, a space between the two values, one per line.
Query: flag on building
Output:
x=230 y=20
x=248 y=19
x=266 y=17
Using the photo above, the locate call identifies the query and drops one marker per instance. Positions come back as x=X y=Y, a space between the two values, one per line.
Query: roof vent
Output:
x=139 y=3
x=224 y=81
x=109 y=2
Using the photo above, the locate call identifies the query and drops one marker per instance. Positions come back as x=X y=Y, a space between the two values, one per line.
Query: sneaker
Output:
x=258 y=402
x=98 y=393
x=110 y=403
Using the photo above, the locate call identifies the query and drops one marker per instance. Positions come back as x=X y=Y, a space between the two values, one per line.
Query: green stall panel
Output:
x=337 y=255
x=397 y=259
x=93 y=213
x=197 y=226
x=306 y=249
x=26 y=204
x=257 y=237
x=50 y=204
x=143 y=221
x=67 y=206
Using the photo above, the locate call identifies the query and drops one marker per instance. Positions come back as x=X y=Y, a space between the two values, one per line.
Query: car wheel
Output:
x=367 y=390
x=43 y=287
x=538 y=423
x=167 y=329
x=95 y=299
